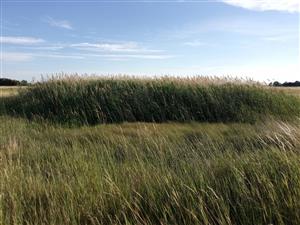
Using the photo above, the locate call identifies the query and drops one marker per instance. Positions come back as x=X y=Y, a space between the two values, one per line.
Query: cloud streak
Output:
x=15 y=57
x=112 y=47
x=242 y=26
x=18 y=57
x=20 y=40
x=114 y=51
x=265 y=5
x=129 y=56
x=59 y=23
x=194 y=43
x=280 y=38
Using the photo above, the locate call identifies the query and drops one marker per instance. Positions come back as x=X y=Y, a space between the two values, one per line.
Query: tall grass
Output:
x=149 y=173
x=107 y=100
x=210 y=174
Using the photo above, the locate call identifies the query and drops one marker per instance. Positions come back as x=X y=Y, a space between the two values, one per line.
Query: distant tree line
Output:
x=11 y=82
x=285 y=84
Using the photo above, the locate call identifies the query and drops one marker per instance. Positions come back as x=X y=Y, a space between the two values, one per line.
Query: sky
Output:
x=256 y=39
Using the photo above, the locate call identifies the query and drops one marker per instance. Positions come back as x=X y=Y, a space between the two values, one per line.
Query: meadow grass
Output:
x=148 y=173
x=143 y=173
x=111 y=100
x=288 y=90
x=6 y=91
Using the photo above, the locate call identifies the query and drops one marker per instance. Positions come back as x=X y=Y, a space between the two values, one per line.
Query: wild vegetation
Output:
x=8 y=91
x=149 y=173
x=110 y=100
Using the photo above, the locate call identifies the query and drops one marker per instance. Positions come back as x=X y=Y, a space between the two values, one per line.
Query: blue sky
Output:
x=258 y=39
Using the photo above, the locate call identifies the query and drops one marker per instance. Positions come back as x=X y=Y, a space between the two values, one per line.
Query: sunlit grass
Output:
x=9 y=91
x=289 y=90
x=74 y=100
x=149 y=173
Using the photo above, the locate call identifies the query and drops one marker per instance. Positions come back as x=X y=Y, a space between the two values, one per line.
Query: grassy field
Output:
x=220 y=171
x=9 y=91
x=289 y=90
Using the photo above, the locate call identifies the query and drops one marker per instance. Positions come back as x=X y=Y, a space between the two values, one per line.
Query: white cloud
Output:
x=123 y=57
x=20 y=40
x=47 y=47
x=152 y=56
x=194 y=43
x=138 y=56
x=24 y=57
x=280 y=38
x=59 y=23
x=126 y=47
x=238 y=25
x=112 y=47
x=15 y=57
x=59 y=56
x=264 y=5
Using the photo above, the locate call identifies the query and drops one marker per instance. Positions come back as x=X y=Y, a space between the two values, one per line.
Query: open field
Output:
x=225 y=170
x=289 y=90
x=8 y=91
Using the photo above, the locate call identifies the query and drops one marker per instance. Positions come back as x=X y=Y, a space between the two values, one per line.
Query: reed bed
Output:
x=74 y=100
x=240 y=166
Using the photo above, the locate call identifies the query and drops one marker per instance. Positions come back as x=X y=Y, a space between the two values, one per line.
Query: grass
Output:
x=110 y=100
x=6 y=91
x=149 y=173
x=288 y=90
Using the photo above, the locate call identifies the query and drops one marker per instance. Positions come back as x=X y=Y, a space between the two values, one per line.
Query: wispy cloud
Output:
x=58 y=23
x=130 y=56
x=194 y=43
x=112 y=47
x=125 y=47
x=119 y=51
x=47 y=48
x=248 y=27
x=58 y=56
x=264 y=5
x=280 y=38
x=116 y=51
x=15 y=57
x=20 y=40
x=25 y=57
